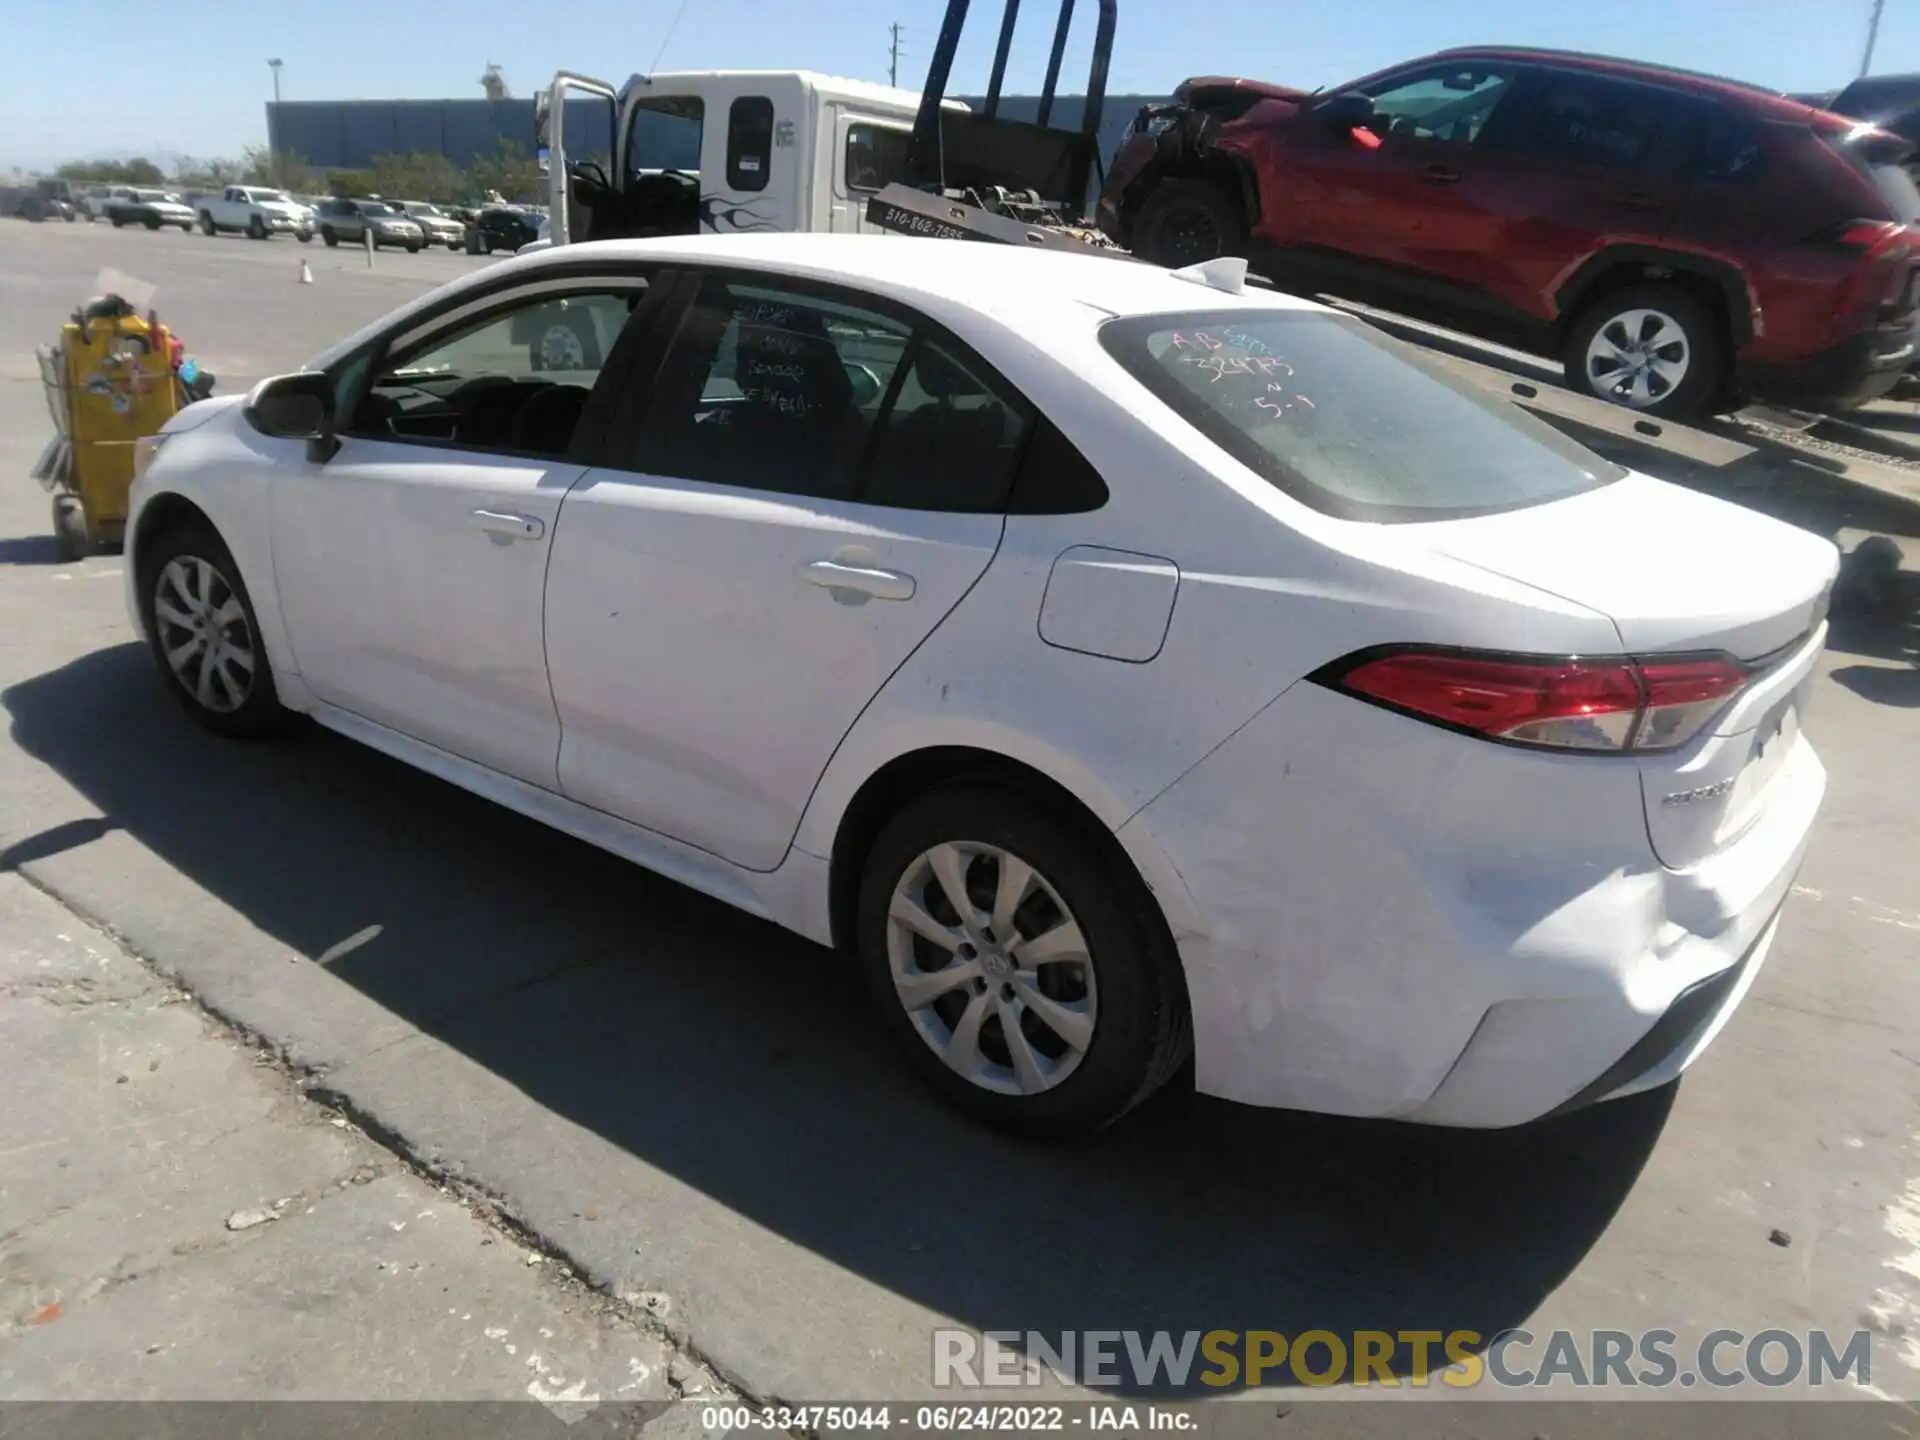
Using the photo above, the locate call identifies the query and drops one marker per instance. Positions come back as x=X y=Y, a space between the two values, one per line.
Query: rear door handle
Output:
x=1440 y=175
x=513 y=527
x=858 y=580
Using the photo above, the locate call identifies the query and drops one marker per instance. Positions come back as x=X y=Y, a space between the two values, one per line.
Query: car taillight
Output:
x=1607 y=705
x=1871 y=238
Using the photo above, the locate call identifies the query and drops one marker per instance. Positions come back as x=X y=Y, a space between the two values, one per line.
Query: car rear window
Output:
x=1884 y=160
x=1348 y=421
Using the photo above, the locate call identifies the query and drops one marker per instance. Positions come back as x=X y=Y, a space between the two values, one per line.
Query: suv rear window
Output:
x=1348 y=421
x=1883 y=159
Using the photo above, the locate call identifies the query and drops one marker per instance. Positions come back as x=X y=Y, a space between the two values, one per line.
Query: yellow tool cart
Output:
x=109 y=382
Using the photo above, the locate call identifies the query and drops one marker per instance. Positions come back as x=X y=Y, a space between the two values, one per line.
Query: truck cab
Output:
x=719 y=152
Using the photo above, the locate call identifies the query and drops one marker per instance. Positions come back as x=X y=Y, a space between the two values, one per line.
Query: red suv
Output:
x=1680 y=242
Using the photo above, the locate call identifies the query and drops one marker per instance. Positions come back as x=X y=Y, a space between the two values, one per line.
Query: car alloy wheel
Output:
x=1638 y=358
x=204 y=634
x=991 y=968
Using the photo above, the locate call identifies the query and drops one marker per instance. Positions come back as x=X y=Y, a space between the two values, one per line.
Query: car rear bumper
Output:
x=1395 y=924
x=1859 y=369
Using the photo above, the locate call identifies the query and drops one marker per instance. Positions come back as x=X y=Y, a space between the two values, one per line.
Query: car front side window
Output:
x=1450 y=104
x=514 y=378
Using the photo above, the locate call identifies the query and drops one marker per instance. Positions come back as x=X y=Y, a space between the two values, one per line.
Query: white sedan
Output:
x=1121 y=666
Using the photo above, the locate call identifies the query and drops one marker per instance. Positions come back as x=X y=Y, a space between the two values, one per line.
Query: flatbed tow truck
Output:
x=728 y=151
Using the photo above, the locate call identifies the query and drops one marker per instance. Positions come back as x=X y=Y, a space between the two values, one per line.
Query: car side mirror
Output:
x=296 y=407
x=1349 y=110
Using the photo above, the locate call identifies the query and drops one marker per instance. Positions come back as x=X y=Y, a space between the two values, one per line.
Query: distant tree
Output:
x=281 y=169
x=426 y=175
x=511 y=169
x=495 y=83
x=350 y=184
x=116 y=172
x=192 y=174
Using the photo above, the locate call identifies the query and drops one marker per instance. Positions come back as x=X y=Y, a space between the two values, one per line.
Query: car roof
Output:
x=1025 y=291
x=1004 y=280
x=1750 y=95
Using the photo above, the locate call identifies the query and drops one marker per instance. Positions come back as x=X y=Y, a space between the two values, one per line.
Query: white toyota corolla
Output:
x=1122 y=665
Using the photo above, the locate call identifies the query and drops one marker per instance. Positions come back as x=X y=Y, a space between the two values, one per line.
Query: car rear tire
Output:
x=1047 y=1000
x=1187 y=222
x=326 y=234
x=207 y=227
x=1651 y=348
x=305 y=236
x=204 y=634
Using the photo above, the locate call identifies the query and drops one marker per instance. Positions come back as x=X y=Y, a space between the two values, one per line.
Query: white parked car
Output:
x=1120 y=664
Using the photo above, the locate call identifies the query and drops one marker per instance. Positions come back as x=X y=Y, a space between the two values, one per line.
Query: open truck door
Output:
x=572 y=185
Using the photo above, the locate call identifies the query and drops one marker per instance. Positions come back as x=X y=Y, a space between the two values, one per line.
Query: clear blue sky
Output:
x=82 y=78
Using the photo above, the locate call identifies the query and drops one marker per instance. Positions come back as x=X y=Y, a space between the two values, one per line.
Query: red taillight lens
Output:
x=1561 y=704
x=1872 y=238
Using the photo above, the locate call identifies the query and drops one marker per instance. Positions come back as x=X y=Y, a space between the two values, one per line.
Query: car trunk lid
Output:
x=1681 y=573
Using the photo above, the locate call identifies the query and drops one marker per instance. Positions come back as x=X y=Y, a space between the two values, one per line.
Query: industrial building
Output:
x=349 y=134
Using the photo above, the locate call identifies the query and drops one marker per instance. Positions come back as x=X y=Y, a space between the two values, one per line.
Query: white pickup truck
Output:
x=256 y=211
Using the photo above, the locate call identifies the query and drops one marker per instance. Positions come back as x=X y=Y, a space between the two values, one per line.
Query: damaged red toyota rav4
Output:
x=1680 y=243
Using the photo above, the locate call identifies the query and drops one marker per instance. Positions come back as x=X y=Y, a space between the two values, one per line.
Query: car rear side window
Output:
x=803 y=392
x=1591 y=119
x=1882 y=159
x=1348 y=421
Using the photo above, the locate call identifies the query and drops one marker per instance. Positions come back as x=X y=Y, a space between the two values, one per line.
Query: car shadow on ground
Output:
x=742 y=1061
x=30 y=550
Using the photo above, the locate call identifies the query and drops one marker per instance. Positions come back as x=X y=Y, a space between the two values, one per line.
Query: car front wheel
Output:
x=327 y=234
x=1651 y=348
x=1019 y=962
x=1188 y=222
x=205 y=637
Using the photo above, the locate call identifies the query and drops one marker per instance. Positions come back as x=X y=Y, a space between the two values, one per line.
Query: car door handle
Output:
x=514 y=527
x=858 y=579
x=1440 y=175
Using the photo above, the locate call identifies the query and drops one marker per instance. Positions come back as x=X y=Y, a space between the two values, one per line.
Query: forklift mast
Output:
x=954 y=150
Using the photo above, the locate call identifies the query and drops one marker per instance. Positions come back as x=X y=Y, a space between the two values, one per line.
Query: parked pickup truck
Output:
x=256 y=211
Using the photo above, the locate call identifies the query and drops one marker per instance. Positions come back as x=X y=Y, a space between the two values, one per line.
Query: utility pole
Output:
x=893 y=50
x=273 y=123
x=1873 y=34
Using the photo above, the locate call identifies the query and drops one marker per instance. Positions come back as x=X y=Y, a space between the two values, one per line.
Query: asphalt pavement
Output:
x=692 y=1111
